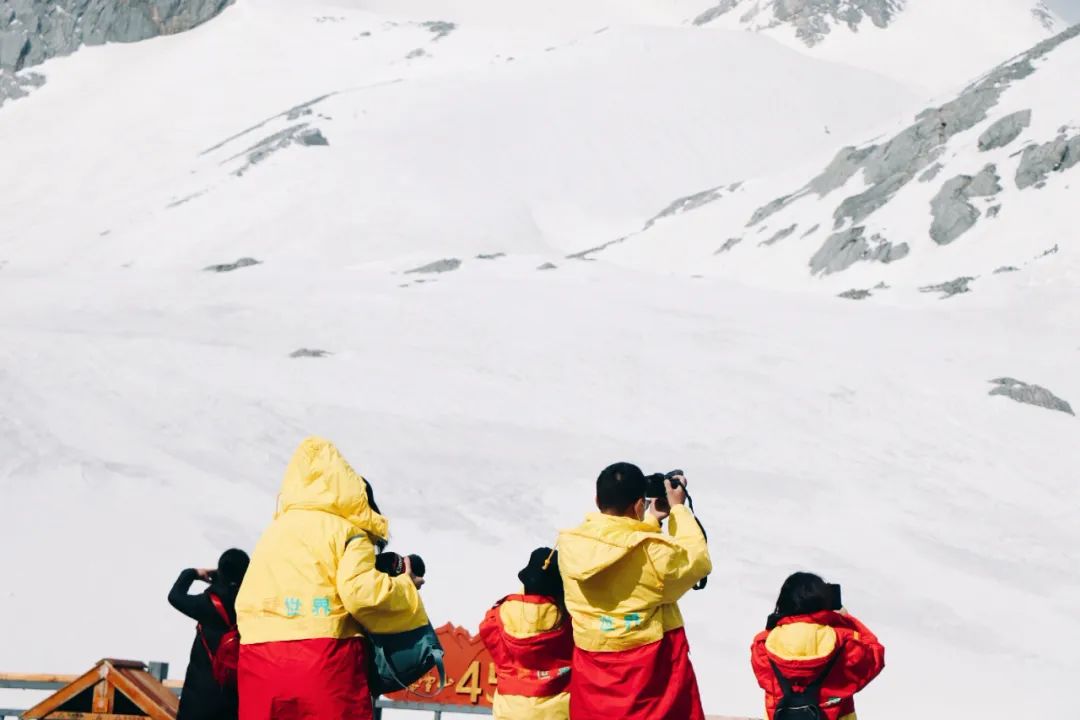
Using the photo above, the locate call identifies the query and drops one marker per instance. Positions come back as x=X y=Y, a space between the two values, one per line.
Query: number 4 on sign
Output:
x=469 y=684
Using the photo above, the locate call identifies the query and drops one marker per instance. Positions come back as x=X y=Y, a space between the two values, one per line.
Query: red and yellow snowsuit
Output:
x=311 y=584
x=803 y=645
x=622 y=579
x=530 y=640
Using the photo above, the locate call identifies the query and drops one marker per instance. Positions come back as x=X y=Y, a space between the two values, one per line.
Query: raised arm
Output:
x=378 y=602
x=196 y=607
x=864 y=655
x=685 y=560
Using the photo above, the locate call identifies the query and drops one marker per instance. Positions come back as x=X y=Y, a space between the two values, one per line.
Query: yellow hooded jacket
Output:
x=312 y=574
x=623 y=577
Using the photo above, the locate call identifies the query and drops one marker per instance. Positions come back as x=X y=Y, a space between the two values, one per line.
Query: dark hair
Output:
x=232 y=565
x=619 y=486
x=371 y=497
x=380 y=543
x=541 y=575
x=803 y=593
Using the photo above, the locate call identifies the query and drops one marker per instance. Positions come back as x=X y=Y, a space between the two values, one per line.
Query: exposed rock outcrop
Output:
x=299 y=134
x=812 y=19
x=1004 y=131
x=16 y=85
x=959 y=286
x=843 y=249
x=952 y=212
x=32 y=31
x=728 y=244
x=780 y=235
x=1030 y=394
x=1038 y=161
x=309 y=353
x=439 y=266
x=439 y=28
x=229 y=267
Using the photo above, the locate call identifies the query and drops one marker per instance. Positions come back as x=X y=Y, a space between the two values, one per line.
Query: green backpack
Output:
x=397 y=660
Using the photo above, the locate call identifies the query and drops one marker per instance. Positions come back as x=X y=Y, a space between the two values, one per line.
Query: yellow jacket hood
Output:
x=319 y=478
x=600 y=542
x=623 y=577
x=312 y=574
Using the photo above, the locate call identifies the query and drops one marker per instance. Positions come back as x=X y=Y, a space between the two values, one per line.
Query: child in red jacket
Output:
x=531 y=641
x=813 y=656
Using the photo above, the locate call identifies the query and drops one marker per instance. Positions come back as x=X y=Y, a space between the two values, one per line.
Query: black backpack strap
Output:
x=816 y=684
x=785 y=684
x=819 y=681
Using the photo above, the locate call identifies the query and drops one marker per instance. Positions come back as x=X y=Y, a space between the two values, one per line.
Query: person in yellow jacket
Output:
x=310 y=592
x=622 y=579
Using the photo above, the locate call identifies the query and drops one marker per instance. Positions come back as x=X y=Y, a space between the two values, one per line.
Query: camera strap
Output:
x=700 y=585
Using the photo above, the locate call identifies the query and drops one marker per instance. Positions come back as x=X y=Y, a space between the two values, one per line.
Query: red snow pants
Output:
x=317 y=679
x=651 y=682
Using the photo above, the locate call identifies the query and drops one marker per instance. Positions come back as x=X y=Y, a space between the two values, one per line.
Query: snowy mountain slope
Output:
x=937 y=44
x=432 y=139
x=980 y=184
x=151 y=406
x=154 y=410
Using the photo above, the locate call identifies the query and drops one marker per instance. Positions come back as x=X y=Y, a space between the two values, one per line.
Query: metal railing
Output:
x=19 y=681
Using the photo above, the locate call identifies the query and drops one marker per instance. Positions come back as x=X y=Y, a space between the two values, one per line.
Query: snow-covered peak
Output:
x=935 y=44
x=975 y=187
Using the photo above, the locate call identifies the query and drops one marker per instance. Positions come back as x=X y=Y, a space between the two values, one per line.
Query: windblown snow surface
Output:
x=325 y=218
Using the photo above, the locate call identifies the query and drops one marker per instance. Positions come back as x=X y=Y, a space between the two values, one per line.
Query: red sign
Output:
x=470 y=673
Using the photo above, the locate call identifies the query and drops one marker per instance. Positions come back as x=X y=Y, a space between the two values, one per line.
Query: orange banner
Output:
x=470 y=673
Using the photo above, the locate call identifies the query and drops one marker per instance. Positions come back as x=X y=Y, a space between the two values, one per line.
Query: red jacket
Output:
x=532 y=643
x=803 y=645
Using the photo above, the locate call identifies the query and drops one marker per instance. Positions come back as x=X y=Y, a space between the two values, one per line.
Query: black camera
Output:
x=393 y=564
x=836 y=596
x=656 y=490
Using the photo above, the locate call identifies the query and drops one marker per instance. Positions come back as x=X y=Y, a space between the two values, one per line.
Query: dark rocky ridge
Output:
x=33 y=31
x=812 y=19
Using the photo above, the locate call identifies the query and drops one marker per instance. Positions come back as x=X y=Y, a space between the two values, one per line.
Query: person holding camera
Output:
x=813 y=656
x=623 y=578
x=214 y=609
x=312 y=591
x=531 y=642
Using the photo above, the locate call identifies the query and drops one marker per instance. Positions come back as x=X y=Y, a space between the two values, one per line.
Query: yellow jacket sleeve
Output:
x=684 y=561
x=382 y=604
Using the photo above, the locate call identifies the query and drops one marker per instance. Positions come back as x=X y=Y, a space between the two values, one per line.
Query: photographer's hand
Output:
x=657 y=513
x=676 y=493
x=417 y=581
x=206 y=575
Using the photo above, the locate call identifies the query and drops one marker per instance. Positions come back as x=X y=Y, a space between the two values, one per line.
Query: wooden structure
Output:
x=111 y=690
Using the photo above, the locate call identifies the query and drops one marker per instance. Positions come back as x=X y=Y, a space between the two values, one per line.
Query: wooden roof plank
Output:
x=53 y=702
x=153 y=688
x=63 y=715
x=136 y=690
